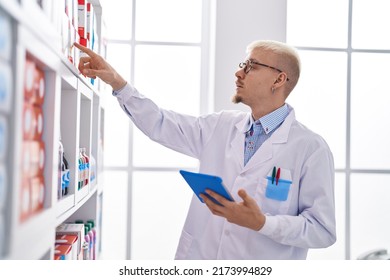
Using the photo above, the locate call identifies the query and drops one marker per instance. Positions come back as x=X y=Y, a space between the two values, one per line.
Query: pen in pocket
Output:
x=277 y=176
x=273 y=174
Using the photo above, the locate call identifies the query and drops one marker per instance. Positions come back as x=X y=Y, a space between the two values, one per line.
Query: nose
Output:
x=240 y=73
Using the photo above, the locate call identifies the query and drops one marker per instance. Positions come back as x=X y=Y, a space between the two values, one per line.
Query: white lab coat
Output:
x=305 y=220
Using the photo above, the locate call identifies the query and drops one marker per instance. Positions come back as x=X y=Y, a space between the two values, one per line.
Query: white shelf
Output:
x=67 y=213
x=12 y=8
x=64 y=205
x=71 y=110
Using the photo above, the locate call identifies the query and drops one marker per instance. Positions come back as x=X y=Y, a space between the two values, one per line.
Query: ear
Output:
x=280 y=80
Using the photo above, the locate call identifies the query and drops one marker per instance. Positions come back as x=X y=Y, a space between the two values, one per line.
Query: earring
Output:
x=273 y=90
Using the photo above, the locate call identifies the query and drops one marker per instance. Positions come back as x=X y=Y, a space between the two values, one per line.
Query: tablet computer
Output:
x=200 y=182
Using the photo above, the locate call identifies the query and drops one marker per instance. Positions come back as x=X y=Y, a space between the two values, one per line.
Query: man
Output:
x=280 y=174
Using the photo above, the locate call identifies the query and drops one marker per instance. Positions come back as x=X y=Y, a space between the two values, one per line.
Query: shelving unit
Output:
x=72 y=110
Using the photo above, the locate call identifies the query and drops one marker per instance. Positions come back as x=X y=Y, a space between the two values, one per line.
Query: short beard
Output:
x=236 y=99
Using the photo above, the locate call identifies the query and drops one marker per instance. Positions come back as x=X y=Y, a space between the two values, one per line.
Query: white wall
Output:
x=238 y=23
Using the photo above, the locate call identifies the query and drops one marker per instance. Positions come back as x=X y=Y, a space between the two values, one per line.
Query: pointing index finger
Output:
x=84 y=49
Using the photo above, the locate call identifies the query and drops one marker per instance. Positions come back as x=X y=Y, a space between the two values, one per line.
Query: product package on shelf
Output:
x=91 y=34
x=84 y=166
x=70 y=31
x=82 y=23
x=87 y=28
x=94 y=233
x=32 y=122
x=82 y=18
x=63 y=252
x=90 y=238
x=69 y=240
x=90 y=20
x=73 y=229
x=63 y=172
x=33 y=158
x=33 y=146
x=81 y=165
x=37 y=193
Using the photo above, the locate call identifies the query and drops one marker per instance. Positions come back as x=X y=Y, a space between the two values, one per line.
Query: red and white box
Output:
x=73 y=229
x=29 y=79
x=90 y=19
x=63 y=251
x=40 y=86
x=33 y=158
x=82 y=18
x=32 y=122
x=34 y=83
x=71 y=240
x=37 y=185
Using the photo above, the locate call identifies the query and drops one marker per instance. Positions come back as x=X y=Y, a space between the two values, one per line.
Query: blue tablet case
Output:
x=200 y=182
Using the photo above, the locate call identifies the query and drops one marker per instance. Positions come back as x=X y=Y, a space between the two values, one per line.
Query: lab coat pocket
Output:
x=274 y=199
x=277 y=191
x=184 y=245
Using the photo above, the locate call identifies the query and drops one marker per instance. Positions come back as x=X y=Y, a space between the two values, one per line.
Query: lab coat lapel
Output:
x=265 y=152
x=238 y=142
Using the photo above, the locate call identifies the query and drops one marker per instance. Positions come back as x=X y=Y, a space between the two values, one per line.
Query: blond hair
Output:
x=287 y=59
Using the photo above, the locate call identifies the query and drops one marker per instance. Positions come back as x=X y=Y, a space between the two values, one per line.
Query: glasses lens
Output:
x=246 y=66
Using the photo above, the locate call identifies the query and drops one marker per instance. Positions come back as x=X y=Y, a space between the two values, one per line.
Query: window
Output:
x=344 y=55
x=161 y=51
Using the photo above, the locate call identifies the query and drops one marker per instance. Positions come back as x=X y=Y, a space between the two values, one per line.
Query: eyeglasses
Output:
x=248 y=65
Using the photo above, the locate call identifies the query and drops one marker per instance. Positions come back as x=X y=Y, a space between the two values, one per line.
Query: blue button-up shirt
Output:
x=262 y=129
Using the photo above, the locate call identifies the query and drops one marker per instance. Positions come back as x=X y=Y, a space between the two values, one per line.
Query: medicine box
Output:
x=82 y=18
x=73 y=229
x=67 y=239
x=63 y=251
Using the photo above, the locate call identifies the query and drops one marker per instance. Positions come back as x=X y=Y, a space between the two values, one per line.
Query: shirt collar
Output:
x=270 y=121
